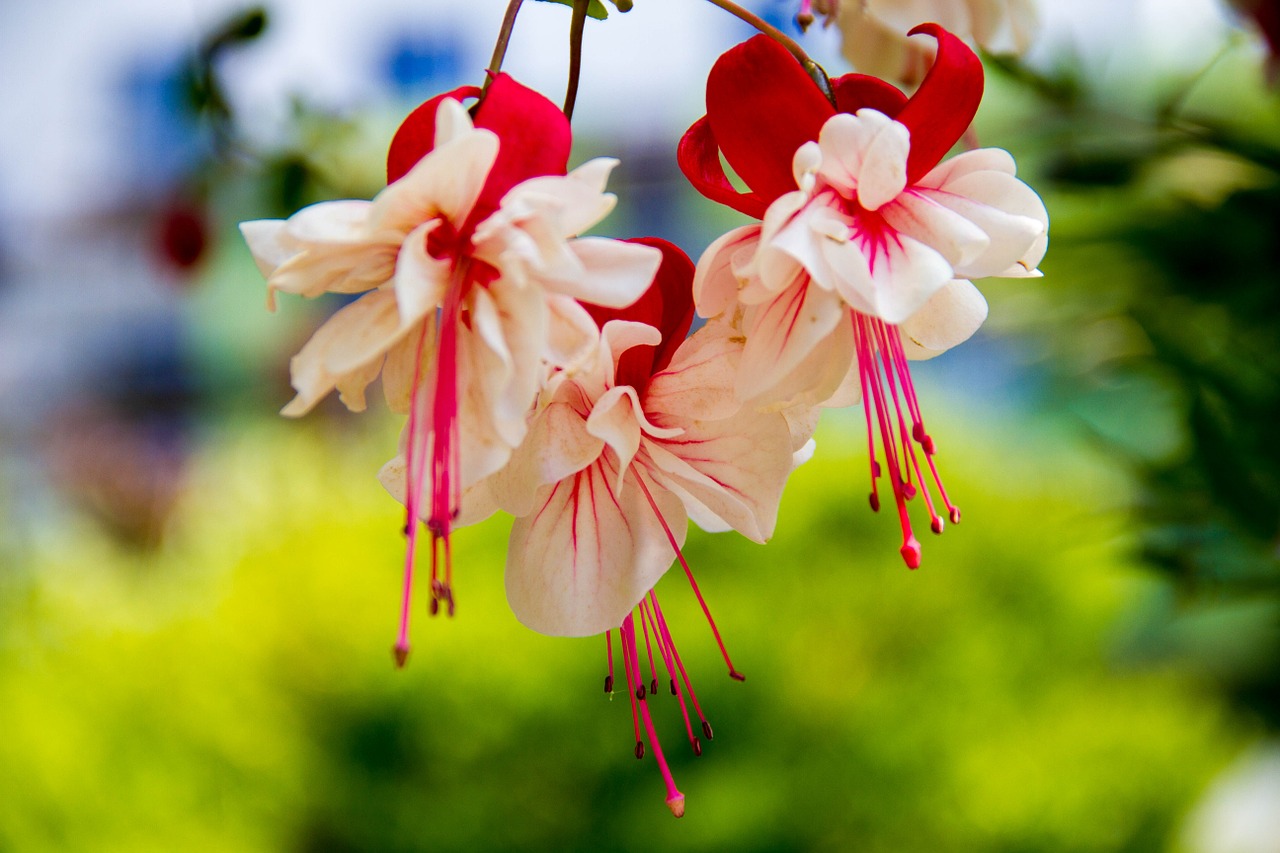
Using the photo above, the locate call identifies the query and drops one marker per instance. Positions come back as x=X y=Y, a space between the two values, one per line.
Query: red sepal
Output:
x=417 y=133
x=667 y=306
x=699 y=159
x=942 y=109
x=533 y=139
x=857 y=91
x=762 y=107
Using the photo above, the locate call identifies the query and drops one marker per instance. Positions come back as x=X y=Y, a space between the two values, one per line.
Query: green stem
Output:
x=576 y=26
x=504 y=37
x=813 y=69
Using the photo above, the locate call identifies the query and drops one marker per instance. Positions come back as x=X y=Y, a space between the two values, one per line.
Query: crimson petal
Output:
x=942 y=109
x=667 y=306
x=699 y=159
x=762 y=107
x=417 y=133
x=858 y=91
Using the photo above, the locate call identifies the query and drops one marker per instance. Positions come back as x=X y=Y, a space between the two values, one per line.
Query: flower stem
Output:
x=576 y=26
x=504 y=37
x=813 y=69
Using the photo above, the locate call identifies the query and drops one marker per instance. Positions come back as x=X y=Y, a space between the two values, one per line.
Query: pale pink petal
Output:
x=951 y=317
x=699 y=381
x=735 y=467
x=866 y=152
x=572 y=334
x=937 y=226
x=346 y=343
x=408 y=360
x=269 y=242
x=420 y=280
x=608 y=272
x=557 y=446
x=889 y=279
x=783 y=334
x=585 y=556
x=614 y=421
x=826 y=377
x=477 y=502
x=715 y=284
x=445 y=183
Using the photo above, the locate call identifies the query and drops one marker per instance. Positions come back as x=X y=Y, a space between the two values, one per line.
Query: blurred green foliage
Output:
x=234 y=691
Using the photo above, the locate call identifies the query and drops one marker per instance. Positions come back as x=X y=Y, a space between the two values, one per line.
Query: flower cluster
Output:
x=553 y=376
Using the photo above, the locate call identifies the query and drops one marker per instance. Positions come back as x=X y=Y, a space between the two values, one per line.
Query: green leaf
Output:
x=596 y=9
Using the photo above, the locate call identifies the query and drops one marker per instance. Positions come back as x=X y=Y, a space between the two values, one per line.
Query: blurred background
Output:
x=198 y=598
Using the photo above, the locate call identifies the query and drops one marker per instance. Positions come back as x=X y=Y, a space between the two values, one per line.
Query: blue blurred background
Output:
x=198 y=599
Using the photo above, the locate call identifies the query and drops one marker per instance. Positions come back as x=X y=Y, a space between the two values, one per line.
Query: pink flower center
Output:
x=888 y=391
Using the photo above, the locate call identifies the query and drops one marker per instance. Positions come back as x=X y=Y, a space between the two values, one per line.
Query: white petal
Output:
x=614 y=420
x=889 y=278
x=572 y=334
x=735 y=467
x=699 y=381
x=951 y=317
x=783 y=333
x=444 y=183
x=866 y=152
x=942 y=229
x=557 y=446
x=420 y=280
x=476 y=504
x=715 y=284
x=408 y=361
x=611 y=273
x=354 y=336
x=581 y=561
x=269 y=242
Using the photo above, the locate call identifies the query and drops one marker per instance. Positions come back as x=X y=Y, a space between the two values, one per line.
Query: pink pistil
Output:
x=432 y=452
x=887 y=387
x=675 y=799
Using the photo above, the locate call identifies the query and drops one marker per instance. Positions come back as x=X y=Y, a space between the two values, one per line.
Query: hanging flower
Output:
x=867 y=242
x=623 y=450
x=471 y=276
x=874 y=32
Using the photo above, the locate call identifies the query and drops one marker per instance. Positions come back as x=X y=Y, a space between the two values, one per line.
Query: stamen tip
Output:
x=955 y=515
x=929 y=447
x=911 y=553
x=737 y=676
x=908 y=491
x=875 y=502
x=936 y=525
x=653 y=687
x=697 y=747
x=401 y=654
x=804 y=20
x=608 y=684
x=640 y=693
x=706 y=730
x=639 y=749
x=676 y=804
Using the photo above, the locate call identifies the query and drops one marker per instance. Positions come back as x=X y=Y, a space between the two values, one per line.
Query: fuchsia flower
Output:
x=867 y=243
x=472 y=276
x=624 y=449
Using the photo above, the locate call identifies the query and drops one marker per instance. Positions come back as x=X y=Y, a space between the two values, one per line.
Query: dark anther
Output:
x=434 y=606
x=697 y=746
x=653 y=687
x=640 y=692
x=608 y=684
x=706 y=730
x=639 y=749
x=737 y=676
x=917 y=432
x=875 y=502
x=673 y=687
x=955 y=515
x=936 y=525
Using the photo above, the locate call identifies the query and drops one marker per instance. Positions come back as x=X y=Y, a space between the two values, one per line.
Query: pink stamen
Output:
x=675 y=799
x=684 y=676
x=665 y=650
x=653 y=670
x=608 y=651
x=885 y=378
x=733 y=672
x=631 y=693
